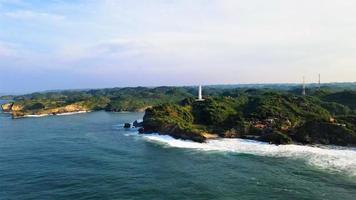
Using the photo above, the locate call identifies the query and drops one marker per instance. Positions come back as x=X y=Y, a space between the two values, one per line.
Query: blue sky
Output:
x=56 y=44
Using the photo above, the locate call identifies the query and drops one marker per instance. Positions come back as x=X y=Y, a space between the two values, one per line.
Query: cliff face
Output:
x=67 y=109
x=7 y=107
x=260 y=122
x=174 y=120
x=16 y=107
x=29 y=107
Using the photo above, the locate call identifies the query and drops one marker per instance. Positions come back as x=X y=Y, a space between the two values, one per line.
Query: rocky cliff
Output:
x=7 y=107
x=18 y=110
x=276 y=119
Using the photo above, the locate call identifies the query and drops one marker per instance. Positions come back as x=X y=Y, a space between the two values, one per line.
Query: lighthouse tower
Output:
x=200 y=94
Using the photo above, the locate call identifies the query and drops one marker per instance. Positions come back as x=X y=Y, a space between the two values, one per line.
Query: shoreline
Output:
x=66 y=113
x=313 y=145
x=217 y=138
x=59 y=114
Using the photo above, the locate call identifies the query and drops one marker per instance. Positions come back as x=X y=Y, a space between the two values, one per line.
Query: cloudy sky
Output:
x=58 y=44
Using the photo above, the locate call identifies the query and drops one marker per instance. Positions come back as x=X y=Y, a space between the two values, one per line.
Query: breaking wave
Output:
x=333 y=158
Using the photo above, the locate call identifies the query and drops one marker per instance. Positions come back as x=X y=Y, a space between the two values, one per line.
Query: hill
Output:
x=279 y=118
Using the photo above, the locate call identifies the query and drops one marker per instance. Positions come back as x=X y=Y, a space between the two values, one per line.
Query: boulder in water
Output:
x=137 y=124
x=127 y=125
x=276 y=137
x=141 y=130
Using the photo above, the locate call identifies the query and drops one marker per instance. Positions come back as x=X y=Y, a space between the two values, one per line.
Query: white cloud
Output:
x=33 y=15
x=219 y=40
x=8 y=50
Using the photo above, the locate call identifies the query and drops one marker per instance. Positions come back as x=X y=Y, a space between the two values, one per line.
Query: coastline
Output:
x=62 y=114
x=59 y=114
x=214 y=137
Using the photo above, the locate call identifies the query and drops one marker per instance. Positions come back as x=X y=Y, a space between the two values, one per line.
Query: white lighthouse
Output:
x=200 y=94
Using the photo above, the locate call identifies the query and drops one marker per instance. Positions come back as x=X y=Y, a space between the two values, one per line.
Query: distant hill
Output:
x=275 y=117
x=347 y=97
x=333 y=97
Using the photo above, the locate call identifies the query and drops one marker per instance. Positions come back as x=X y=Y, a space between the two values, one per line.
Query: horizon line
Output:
x=178 y=85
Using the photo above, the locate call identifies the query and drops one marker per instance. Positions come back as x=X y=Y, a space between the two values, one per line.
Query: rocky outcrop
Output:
x=67 y=109
x=143 y=109
x=17 y=107
x=137 y=124
x=18 y=111
x=192 y=122
x=7 y=107
x=276 y=137
x=175 y=121
x=232 y=133
x=176 y=132
x=324 y=133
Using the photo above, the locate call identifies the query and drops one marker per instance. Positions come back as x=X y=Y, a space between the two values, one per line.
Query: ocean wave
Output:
x=332 y=158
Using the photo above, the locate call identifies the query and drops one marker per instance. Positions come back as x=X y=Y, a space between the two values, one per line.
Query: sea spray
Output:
x=325 y=157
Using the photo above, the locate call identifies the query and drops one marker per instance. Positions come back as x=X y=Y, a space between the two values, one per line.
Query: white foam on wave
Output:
x=325 y=157
x=130 y=134
x=42 y=115
x=59 y=114
x=72 y=113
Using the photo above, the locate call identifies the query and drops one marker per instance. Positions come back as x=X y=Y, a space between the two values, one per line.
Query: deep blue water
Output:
x=89 y=156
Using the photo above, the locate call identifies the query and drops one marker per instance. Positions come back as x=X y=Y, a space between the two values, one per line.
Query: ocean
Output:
x=90 y=156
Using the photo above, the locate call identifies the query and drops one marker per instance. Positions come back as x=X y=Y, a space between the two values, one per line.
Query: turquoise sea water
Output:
x=90 y=156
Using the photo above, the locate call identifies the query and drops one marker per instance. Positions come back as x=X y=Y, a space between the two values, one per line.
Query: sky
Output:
x=67 y=44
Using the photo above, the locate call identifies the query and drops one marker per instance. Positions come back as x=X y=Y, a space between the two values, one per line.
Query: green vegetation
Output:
x=275 y=117
x=116 y=99
x=272 y=113
x=174 y=119
x=346 y=98
x=322 y=132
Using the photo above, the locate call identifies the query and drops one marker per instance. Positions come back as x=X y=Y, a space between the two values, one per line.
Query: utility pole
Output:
x=319 y=84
